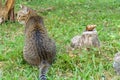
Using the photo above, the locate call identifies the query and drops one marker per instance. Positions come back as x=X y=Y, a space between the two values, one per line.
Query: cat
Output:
x=39 y=49
x=7 y=11
x=116 y=63
x=88 y=39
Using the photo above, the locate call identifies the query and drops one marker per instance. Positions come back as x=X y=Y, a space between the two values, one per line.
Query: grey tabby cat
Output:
x=39 y=49
x=116 y=63
x=88 y=39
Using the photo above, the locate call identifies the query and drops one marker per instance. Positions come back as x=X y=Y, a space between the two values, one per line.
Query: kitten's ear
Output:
x=24 y=8
x=21 y=6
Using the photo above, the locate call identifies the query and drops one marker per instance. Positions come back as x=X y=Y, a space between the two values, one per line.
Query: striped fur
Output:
x=39 y=49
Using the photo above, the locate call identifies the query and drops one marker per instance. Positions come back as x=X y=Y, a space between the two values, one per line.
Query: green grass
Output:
x=69 y=18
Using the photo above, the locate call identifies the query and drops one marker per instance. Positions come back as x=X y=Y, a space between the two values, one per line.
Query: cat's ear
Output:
x=25 y=9
x=21 y=6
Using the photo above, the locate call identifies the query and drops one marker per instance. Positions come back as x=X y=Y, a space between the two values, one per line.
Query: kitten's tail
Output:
x=43 y=70
x=42 y=77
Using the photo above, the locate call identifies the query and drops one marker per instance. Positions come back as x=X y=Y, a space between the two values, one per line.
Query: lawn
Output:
x=67 y=19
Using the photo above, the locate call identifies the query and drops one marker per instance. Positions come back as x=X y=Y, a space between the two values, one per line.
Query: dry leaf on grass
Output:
x=90 y=27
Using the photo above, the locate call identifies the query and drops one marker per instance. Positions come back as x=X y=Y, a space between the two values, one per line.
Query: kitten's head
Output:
x=24 y=14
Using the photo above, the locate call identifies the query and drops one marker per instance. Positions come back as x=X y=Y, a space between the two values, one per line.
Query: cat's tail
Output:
x=43 y=70
x=42 y=77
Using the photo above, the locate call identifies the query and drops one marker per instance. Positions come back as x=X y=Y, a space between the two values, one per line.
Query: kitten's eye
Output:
x=23 y=16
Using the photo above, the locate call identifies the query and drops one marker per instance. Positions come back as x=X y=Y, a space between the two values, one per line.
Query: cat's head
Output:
x=24 y=14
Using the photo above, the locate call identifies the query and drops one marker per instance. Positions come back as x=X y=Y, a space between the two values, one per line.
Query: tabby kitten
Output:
x=116 y=63
x=39 y=49
x=87 y=39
